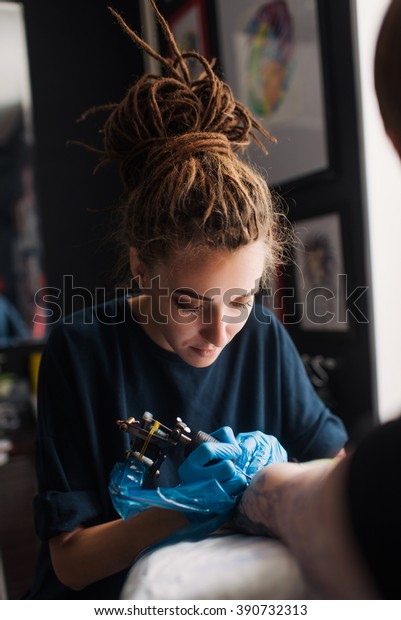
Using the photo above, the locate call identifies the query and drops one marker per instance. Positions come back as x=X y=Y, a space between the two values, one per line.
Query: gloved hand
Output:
x=215 y=461
x=203 y=501
x=258 y=450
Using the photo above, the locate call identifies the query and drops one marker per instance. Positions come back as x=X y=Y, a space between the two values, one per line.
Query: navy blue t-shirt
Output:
x=100 y=366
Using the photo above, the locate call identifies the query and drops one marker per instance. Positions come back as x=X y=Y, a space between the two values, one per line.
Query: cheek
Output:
x=233 y=327
x=166 y=312
x=182 y=328
x=161 y=314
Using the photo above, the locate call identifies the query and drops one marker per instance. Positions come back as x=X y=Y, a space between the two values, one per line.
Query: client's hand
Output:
x=267 y=506
x=305 y=505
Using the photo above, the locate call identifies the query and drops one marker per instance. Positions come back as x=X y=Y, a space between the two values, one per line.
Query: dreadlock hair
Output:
x=186 y=188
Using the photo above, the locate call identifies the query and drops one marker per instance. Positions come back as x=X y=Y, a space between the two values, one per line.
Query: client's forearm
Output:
x=261 y=508
x=304 y=505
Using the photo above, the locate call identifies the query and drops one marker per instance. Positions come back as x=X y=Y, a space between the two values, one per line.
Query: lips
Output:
x=204 y=352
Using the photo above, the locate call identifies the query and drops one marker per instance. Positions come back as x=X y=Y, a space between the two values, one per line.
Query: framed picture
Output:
x=188 y=24
x=320 y=281
x=270 y=55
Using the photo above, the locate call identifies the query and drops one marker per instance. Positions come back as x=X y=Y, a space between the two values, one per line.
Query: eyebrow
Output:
x=190 y=293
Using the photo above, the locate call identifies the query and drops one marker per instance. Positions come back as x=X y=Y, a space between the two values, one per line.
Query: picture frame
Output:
x=270 y=54
x=189 y=28
x=319 y=275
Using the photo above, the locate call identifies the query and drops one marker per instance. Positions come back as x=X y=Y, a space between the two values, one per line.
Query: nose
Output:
x=216 y=330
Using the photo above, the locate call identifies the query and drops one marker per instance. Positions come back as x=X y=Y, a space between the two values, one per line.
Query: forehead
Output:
x=207 y=269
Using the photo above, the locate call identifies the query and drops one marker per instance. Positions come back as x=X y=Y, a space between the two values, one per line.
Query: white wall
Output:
x=13 y=56
x=382 y=172
x=14 y=73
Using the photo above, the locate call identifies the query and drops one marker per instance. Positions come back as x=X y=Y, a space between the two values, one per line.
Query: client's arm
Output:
x=304 y=505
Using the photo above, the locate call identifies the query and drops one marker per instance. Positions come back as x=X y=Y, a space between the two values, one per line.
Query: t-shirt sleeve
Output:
x=66 y=490
x=310 y=429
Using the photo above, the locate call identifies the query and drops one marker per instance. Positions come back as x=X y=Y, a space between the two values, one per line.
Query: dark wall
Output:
x=79 y=57
x=351 y=384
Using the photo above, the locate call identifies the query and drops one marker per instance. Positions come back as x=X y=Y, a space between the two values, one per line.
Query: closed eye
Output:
x=185 y=307
x=239 y=304
x=189 y=310
x=242 y=301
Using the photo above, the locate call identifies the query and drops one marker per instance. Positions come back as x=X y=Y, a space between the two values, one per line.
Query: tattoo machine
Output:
x=152 y=439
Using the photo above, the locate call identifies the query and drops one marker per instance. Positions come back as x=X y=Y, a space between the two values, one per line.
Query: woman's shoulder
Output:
x=266 y=333
x=99 y=322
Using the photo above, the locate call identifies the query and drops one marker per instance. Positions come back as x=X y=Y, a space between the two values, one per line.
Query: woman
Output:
x=199 y=234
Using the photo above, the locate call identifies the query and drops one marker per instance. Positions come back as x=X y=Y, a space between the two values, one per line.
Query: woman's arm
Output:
x=86 y=555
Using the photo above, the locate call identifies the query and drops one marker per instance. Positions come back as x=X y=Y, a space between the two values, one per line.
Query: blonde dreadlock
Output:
x=176 y=141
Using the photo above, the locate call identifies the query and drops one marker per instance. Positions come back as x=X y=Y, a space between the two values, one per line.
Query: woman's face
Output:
x=195 y=305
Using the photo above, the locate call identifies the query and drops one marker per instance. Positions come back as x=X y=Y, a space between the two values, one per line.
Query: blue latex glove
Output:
x=202 y=498
x=205 y=503
x=259 y=450
x=215 y=461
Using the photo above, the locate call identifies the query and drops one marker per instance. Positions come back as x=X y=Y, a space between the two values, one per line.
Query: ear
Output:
x=134 y=262
x=137 y=268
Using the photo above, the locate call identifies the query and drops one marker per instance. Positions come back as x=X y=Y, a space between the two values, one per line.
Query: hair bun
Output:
x=161 y=114
x=165 y=153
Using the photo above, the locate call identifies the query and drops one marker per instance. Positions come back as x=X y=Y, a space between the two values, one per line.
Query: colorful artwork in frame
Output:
x=271 y=57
